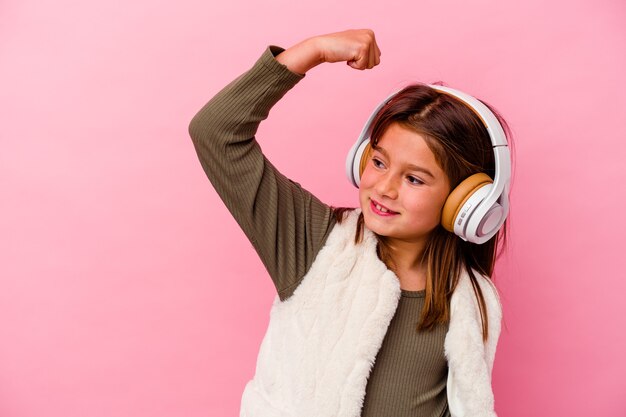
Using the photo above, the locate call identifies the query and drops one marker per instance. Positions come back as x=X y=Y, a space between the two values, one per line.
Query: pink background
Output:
x=127 y=289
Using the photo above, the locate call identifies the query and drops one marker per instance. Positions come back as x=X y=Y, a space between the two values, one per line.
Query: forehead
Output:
x=405 y=145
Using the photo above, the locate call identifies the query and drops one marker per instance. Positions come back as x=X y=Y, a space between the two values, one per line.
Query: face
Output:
x=404 y=178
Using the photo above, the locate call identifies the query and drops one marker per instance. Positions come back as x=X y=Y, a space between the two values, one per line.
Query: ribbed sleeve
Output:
x=285 y=223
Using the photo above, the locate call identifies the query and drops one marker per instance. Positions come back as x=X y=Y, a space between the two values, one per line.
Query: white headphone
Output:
x=477 y=208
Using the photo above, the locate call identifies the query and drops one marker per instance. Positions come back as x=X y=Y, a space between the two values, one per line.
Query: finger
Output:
x=362 y=61
x=372 y=56
x=375 y=51
x=378 y=54
x=354 y=64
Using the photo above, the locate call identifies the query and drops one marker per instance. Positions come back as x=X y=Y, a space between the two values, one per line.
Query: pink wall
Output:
x=126 y=289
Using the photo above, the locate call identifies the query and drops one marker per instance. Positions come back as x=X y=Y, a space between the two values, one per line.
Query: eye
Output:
x=414 y=180
x=376 y=163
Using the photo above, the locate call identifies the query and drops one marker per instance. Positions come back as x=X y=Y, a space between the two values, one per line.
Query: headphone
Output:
x=477 y=208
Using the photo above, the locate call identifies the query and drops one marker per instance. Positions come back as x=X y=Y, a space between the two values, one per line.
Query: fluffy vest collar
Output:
x=321 y=343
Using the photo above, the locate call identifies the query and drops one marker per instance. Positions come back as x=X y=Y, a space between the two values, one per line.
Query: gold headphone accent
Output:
x=459 y=196
x=365 y=158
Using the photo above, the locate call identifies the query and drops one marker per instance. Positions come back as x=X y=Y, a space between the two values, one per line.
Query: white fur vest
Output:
x=321 y=342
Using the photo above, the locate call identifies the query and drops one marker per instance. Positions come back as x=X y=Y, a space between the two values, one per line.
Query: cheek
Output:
x=428 y=205
x=368 y=178
x=436 y=205
x=364 y=191
x=365 y=187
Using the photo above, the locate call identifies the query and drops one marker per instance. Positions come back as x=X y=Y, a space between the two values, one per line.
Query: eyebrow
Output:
x=410 y=166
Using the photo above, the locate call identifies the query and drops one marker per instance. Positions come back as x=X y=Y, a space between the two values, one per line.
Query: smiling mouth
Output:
x=380 y=209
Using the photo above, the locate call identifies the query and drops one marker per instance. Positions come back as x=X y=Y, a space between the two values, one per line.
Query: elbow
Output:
x=207 y=138
x=194 y=128
x=207 y=125
x=202 y=128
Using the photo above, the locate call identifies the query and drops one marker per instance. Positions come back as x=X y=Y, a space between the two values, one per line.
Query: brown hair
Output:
x=462 y=147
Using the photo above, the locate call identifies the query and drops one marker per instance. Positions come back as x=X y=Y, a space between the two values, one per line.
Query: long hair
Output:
x=462 y=147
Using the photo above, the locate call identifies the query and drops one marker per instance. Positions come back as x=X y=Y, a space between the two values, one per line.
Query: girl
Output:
x=381 y=310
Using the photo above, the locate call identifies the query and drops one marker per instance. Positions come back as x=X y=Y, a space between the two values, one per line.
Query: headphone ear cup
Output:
x=459 y=196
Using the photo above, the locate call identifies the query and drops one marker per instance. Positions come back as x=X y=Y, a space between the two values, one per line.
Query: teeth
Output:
x=384 y=210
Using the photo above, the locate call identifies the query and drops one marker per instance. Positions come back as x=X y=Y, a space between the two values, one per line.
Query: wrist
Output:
x=301 y=57
x=315 y=51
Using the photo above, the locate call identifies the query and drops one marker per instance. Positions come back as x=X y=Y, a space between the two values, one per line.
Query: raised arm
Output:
x=285 y=223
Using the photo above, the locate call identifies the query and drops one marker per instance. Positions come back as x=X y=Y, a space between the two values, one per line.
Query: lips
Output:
x=383 y=210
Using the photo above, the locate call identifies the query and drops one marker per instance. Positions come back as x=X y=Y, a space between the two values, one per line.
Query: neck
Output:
x=405 y=256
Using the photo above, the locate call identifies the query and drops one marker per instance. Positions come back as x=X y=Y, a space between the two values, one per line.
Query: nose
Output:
x=386 y=186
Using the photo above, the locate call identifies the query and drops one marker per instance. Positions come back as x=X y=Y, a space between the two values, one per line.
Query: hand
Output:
x=357 y=47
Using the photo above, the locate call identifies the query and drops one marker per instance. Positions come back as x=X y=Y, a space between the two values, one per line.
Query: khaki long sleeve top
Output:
x=287 y=225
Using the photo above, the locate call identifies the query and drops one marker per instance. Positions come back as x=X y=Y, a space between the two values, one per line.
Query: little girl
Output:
x=386 y=310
